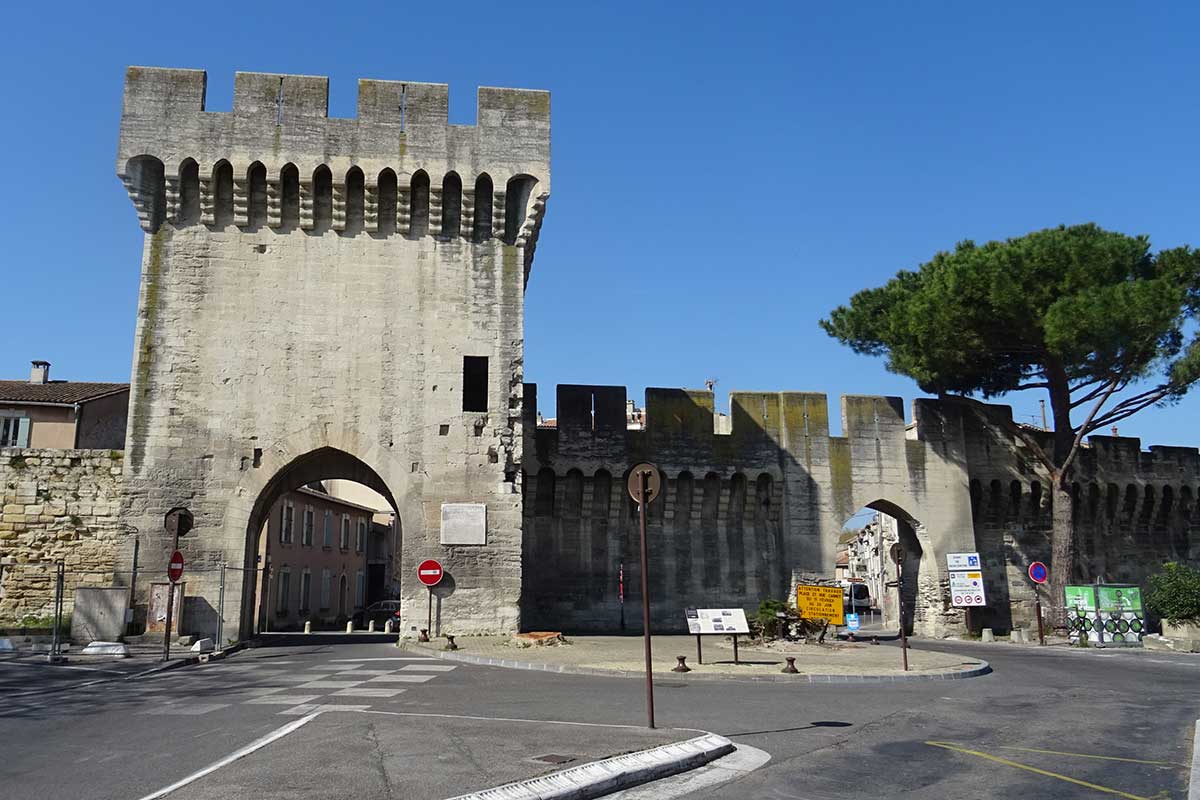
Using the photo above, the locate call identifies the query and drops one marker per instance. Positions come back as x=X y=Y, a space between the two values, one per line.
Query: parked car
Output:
x=380 y=612
x=857 y=598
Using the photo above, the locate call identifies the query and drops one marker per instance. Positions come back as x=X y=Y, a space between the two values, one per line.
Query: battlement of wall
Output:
x=278 y=160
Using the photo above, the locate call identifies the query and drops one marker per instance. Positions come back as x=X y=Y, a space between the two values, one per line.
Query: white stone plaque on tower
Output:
x=464 y=523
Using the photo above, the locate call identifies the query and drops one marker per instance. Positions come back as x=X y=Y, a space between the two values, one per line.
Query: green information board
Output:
x=1105 y=614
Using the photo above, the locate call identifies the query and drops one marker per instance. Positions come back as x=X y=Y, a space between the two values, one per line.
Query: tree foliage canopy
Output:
x=1078 y=309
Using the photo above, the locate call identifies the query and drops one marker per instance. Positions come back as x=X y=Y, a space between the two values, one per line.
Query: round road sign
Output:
x=429 y=572
x=1038 y=572
x=175 y=567
x=653 y=482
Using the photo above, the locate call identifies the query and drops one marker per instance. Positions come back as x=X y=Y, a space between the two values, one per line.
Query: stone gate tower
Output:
x=332 y=298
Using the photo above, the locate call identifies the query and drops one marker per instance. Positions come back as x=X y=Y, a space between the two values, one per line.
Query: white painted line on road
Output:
x=329 y=684
x=530 y=721
x=389 y=658
x=429 y=667
x=44 y=665
x=184 y=709
x=258 y=744
x=281 y=700
x=1194 y=782
x=349 y=672
x=365 y=692
x=402 y=678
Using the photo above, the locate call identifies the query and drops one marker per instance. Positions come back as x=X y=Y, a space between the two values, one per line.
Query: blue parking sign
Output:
x=852 y=621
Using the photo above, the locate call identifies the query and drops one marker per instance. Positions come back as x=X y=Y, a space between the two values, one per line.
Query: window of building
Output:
x=285 y=523
x=283 y=593
x=305 y=590
x=361 y=542
x=14 y=432
x=345 y=543
x=309 y=522
x=325 y=587
x=475 y=383
x=328 y=540
x=360 y=589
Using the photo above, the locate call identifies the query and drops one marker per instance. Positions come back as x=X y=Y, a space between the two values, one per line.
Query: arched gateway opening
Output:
x=876 y=587
x=321 y=539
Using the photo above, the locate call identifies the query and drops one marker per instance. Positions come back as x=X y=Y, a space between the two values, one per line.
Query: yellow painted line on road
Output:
x=1035 y=770
x=1102 y=758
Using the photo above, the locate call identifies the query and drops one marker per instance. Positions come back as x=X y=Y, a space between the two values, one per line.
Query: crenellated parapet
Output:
x=278 y=160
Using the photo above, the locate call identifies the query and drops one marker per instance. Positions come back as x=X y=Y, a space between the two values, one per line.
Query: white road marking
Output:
x=258 y=744
x=430 y=667
x=350 y=672
x=389 y=658
x=184 y=709
x=281 y=700
x=328 y=684
x=402 y=679
x=365 y=692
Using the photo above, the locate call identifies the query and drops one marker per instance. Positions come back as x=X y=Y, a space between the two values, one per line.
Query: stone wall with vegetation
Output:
x=59 y=505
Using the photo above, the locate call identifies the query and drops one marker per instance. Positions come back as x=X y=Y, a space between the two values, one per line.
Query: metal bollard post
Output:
x=450 y=645
x=59 y=576
x=790 y=669
x=682 y=665
x=221 y=611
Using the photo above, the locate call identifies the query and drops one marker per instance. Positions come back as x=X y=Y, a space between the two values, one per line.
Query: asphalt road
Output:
x=1055 y=722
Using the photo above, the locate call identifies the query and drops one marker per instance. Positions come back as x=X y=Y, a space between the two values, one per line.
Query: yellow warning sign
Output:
x=820 y=602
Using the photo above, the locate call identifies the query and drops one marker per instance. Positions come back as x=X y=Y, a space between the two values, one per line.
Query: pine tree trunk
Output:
x=1062 y=553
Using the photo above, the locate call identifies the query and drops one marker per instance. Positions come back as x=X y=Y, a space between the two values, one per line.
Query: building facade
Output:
x=314 y=548
x=45 y=413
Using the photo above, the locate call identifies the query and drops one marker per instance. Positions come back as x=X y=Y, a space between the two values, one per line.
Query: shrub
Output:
x=1175 y=594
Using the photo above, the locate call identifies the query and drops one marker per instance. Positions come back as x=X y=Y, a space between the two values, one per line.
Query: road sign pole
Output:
x=699 y=653
x=1037 y=609
x=429 y=623
x=170 y=602
x=900 y=604
x=644 y=487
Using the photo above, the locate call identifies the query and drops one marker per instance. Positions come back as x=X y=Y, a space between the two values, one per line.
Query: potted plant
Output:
x=1175 y=597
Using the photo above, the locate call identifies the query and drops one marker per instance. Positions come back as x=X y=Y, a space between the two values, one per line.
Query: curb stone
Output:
x=983 y=668
x=612 y=774
x=1194 y=781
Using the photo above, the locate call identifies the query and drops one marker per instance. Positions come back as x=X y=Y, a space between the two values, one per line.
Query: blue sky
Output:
x=724 y=174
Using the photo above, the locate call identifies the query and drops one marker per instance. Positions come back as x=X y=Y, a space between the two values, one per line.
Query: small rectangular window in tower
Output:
x=475 y=383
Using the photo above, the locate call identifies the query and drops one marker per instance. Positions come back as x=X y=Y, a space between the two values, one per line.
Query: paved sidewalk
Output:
x=623 y=654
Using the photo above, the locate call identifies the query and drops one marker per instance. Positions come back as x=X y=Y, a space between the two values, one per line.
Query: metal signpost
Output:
x=430 y=573
x=1038 y=574
x=645 y=482
x=897 y=554
x=177 y=522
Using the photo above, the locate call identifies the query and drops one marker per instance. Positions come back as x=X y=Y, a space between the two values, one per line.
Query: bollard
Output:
x=850 y=637
x=450 y=645
x=682 y=665
x=424 y=635
x=371 y=626
x=987 y=635
x=790 y=669
x=350 y=626
x=874 y=640
x=308 y=626
x=387 y=626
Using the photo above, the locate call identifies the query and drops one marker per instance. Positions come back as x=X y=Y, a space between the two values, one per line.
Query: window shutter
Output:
x=23 y=432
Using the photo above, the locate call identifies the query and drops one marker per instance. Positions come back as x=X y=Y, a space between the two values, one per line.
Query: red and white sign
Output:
x=966 y=589
x=429 y=572
x=175 y=567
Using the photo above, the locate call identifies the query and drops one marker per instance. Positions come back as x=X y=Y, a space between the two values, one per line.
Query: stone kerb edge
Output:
x=983 y=668
x=612 y=774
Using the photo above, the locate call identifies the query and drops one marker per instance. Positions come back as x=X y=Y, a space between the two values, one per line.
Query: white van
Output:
x=856 y=597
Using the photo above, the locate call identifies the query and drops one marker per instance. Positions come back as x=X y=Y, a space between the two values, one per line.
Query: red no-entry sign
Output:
x=175 y=567
x=429 y=572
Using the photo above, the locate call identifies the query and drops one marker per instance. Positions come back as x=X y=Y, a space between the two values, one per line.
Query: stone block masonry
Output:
x=313 y=290
x=59 y=505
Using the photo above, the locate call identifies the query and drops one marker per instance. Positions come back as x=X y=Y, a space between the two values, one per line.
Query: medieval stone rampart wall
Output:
x=59 y=505
x=1134 y=510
